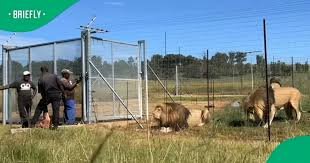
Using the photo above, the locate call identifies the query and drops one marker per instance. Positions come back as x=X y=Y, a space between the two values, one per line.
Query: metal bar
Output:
x=176 y=81
x=88 y=70
x=267 y=83
x=4 y=82
x=127 y=97
x=208 y=88
x=161 y=83
x=9 y=110
x=117 y=79
x=55 y=59
x=112 y=89
x=146 y=95
x=117 y=117
x=117 y=42
x=30 y=62
x=44 y=44
x=139 y=80
x=252 y=77
x=293 y=72
x=84 y=75
x=113 y=78
x=213 y=103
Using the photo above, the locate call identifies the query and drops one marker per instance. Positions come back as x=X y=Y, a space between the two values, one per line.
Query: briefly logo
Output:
x=29 y=15
x=293 y=150
x=26 y=14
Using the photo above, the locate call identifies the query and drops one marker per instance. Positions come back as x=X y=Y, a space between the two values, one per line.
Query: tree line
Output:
x=220 y=65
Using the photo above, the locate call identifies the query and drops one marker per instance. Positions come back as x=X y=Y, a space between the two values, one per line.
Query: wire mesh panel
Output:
x=118 y=63
x=68 y=56
x=40 y=56
x=18 y=62
x=56 y=56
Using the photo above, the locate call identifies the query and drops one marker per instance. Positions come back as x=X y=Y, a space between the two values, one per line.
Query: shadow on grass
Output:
x=98 y=150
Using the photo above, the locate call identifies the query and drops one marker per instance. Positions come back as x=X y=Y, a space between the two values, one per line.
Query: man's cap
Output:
x=66 y=71
x=26 y=73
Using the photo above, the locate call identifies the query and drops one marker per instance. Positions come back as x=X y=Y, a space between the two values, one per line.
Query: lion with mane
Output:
x=176 y=116
x=172 y=115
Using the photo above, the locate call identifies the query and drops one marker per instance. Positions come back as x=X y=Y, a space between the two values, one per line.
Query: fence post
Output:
x=267 y=82
x=140 y=48
x=4 y=82
x=54 y=59
x=292 y=71
x=86 y=46
x=146 y=89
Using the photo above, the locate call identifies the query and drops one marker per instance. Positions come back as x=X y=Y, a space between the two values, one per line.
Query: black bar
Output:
x=208 y=92
x=293 y=72
x=213 y=103
x=267 y=83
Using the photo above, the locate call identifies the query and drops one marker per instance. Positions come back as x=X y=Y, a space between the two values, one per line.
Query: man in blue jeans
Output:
x=69 y=102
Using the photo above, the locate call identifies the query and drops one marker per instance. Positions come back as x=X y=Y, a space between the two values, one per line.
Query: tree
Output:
x=260 y=62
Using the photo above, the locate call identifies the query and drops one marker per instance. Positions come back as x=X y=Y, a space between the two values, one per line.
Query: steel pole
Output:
x=267 y=83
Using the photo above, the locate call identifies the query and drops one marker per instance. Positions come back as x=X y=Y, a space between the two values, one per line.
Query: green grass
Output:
x=227 y=139
x=78 y=145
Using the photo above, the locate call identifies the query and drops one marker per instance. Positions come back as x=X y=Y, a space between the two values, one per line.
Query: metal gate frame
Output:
x=86 y=84
x=6 y=60
x=87 y=66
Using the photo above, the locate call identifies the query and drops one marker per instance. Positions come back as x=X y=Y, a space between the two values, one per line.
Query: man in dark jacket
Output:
x=69 y=102
x=51 y=90
x=25 y=96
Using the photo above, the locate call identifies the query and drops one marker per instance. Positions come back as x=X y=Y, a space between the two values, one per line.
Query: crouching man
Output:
x=25 y=96
x=68 y=100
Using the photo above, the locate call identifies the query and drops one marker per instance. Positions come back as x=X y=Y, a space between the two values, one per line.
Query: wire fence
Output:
x=56 y=56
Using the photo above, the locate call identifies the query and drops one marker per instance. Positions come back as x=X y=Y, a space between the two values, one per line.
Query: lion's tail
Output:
x=303 y=111
x=300 y=108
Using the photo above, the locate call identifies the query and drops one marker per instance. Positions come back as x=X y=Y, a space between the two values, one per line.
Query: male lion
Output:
x=172 y=115
x=280 y=97
x=176 y=116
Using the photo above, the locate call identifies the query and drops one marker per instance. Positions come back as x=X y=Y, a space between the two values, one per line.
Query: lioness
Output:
x=280 y=97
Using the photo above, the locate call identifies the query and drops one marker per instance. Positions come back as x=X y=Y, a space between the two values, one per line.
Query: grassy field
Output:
x=227 y=139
